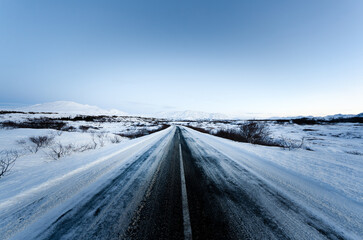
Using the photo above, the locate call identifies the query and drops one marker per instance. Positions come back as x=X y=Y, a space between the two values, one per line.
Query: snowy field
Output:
x=36 y=192
x=68 y=137
x=328 y=169
x=334 y=155
x=335 y=151
x=327 y=183
x=343 y=138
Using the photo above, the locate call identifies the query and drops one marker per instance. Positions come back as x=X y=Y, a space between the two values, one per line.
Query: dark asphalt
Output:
x=102 y=215
x=159 y=215
x=222 y=204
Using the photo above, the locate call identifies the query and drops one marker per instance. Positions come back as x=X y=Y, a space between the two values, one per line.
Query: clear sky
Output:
x=270 y=58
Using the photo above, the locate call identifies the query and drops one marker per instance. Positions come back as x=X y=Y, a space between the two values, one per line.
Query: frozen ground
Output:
x=34 y=194
x=335 y=157
x=325 y=181
x=330 y=138
x=79 y=135
x=315 y=185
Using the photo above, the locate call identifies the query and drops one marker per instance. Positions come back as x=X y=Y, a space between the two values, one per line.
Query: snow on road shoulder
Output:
x=41 y=185
x=25 y=180
x=327 y=184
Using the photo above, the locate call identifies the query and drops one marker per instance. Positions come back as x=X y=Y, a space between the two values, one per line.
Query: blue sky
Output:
x=256 y=58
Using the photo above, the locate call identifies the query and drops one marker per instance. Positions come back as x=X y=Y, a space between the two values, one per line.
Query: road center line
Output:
x=186 y=217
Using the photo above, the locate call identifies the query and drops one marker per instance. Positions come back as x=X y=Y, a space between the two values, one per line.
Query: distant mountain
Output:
x=325 y=118
x=189 y=115
x=339 y=116
x=69 y=107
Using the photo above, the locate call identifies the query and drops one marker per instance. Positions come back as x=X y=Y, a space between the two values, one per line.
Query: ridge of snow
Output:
x=328 y=117
x=189 y=115
x=336 y=116
x=70 y=108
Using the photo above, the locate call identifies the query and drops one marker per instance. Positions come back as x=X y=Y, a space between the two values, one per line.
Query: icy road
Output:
x=178 y=184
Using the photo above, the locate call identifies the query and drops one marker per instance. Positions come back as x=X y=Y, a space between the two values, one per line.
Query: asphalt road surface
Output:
x=220 y=205
x=179 y=190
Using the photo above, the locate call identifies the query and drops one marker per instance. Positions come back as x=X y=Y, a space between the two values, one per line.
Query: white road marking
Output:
x=186 y=217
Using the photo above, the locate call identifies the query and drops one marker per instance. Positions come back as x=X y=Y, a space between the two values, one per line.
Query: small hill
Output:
x=69 y=107
x=190 y=115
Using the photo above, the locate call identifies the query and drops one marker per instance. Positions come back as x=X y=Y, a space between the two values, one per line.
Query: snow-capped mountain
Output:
x=189 y=115
x=69 y=107
x=337 y=116
x=325 y=118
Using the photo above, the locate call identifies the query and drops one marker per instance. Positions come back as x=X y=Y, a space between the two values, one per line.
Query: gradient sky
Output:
x=255 y=58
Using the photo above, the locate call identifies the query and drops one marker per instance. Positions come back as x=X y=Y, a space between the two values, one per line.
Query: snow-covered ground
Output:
x=68 y=107
x=112 y=125
x=340 y=138
x=327 y=179
x=73 y=108
x=326 y=182
x=189 y=115
x=38 y=191
x=78 y=135
x=345 y=138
